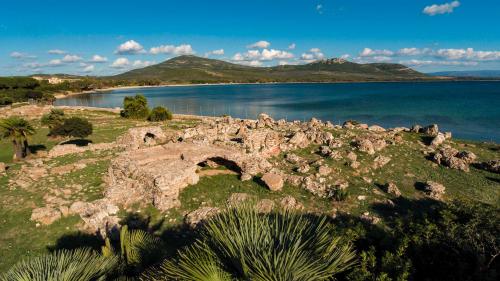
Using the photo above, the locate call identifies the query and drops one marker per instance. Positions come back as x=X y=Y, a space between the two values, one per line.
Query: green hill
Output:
x=193 y=69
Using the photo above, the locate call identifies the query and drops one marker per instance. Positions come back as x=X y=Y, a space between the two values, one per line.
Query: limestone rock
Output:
x=364 y=145
x=324 y=170
x=45 y=215
x=265 y=206
x=304 y=168
x=290 y=203
x=136 y=138
x=431 y=130
x=492 y=166
x=237 y=198
x=200 y=215
x=391 y=188
x=376 y=128
x=438 y=140
x=273 y=181
x=293 y=158
x=434 y=190
x=380 y=161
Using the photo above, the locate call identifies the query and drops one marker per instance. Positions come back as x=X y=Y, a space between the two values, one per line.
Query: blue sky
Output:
x=106 y=37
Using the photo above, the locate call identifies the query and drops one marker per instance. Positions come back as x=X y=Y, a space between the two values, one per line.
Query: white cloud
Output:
x=19 y=55
x=382 y=59
x=184 y=49
x=56 y=52
x=32 y=65
x=345 y=56
x=251 y=63
x=292 y=46
x=468 y=54
x=218 y=52
x=319 y=8
x=259 y=44
x=436 y=9
x=56 y=62
x=88 y=68
x=71 y=58
x=287 y=62
x=313 y=55
x=367 y=52
x=432 y=62
x=120 y=63
x=130 y=47
x=264 y=55
x=98 y=59
x=139 y=63
x=409 y=52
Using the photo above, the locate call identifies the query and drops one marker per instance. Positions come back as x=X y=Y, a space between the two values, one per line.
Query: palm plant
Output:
x=242 y=244
x=17 y=130
x=137 y=249
x=68 y=265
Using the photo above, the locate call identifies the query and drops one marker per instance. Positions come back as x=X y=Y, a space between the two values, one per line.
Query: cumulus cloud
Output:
x=313 y=55
x=98 y=59
x=139 y=63
x=120 y=63
x=367 y=52
x=436 y=9
x=251 y=63
x=184 y=49
x=19 y=55
x=433 y=62
x=468 y=54
x=56 y=62
x=56 y=52
x=292 y=46
x=218 y=52
x=71 y=58
x=88 y=68
x=264 y=55
x=259 y=45
x=130 y=47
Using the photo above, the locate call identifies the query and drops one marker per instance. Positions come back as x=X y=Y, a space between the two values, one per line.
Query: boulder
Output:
x=304 y=168
x=431 y=130
x=416 y=129
x=492 y=166
x=273 y=181
x=364 y=145
x=434 y=190
x=376 y=128
x=324 y=170
x=299 y=139
x=438 y=140
x=198 y=216
x=265 y=206
x=290 y=203
x=45 y=215
x=293 y=158
x=380 y=161
x=391 y=188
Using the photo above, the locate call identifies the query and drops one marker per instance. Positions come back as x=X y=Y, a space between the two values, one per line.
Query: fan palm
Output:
x=245 y=245
x=137 y=250
x=68 y=265
x=17 y=130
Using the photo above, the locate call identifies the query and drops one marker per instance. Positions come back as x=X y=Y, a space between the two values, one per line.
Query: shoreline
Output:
x=66 y=95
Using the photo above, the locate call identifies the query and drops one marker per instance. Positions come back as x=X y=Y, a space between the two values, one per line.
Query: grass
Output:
x=21 y=238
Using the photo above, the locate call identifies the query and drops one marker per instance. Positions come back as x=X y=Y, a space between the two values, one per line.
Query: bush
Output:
x=160 y=113
x=241 y=243
x=135 y=107
x=80 y=264
x=73 y=127
x=53 y=119
x=6 y=101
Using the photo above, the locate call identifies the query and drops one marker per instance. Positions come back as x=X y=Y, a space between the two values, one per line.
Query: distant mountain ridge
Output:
x=469 y=73
x=193 y=69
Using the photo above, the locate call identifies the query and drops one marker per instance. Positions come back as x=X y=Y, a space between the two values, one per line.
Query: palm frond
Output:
x=75 y=265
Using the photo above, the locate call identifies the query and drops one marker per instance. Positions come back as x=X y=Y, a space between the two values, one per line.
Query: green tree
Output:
x=73 y=127
x=17 y=130
x=135 y=107
x=53 y=119
x=160 y=113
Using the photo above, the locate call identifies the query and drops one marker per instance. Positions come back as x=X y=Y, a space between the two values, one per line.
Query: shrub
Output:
x=53 y=119
x=135 y=107
x=73 y=127
x=160 y=113
x=6 y=101
x=80 y=264
x=241 y=243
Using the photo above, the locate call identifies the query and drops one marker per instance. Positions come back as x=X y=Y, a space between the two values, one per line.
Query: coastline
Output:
x=70 y=94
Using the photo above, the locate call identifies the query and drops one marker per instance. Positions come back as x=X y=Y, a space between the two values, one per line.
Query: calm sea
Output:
x=471 y=110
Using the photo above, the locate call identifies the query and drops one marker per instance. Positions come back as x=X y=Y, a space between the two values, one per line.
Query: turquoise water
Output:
x=471 y=110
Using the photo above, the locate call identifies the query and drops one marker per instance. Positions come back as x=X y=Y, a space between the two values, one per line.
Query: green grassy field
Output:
x=20 y=237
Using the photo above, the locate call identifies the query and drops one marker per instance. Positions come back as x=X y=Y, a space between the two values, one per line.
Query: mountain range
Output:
x=193 y=69
x=469 y=73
